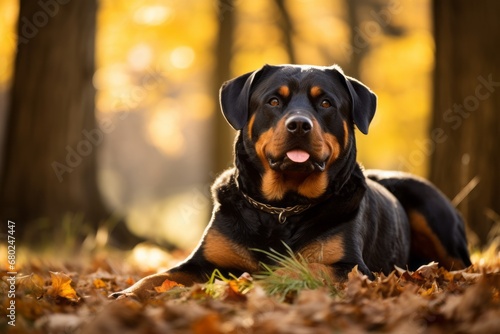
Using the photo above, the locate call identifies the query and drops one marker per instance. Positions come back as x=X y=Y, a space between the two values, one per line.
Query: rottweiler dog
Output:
x=296 y=182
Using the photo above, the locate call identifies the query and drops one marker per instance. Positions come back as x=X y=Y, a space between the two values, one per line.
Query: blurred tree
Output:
x=368 y=18
x=288 y=29
x=466 y=123
x=359 y=44
x=223 y=134
x=52 y=137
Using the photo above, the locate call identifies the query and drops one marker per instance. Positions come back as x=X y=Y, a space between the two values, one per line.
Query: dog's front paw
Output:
x=143 y=288
x=124 y=294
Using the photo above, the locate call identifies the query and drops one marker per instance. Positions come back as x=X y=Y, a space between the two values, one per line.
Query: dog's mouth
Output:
x=297 y=161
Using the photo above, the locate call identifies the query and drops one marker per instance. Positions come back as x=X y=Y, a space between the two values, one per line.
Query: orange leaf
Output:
x=233 y=285
x=429 y=292
x=233 y=291
x=61 y=286
x=167 y=285
x=99 y=283
x=130 y=281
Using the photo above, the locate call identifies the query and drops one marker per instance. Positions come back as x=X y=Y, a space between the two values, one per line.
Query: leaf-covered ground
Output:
x=71 y=297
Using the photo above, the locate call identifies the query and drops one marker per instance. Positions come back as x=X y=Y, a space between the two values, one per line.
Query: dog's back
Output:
x=437 y=229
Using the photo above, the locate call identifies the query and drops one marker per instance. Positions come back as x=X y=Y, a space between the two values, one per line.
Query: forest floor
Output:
x=71 y=296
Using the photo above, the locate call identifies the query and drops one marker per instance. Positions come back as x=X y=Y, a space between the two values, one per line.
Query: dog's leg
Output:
x=142 y=289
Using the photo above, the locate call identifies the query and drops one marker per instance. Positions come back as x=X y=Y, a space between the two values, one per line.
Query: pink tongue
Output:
x=297 y=155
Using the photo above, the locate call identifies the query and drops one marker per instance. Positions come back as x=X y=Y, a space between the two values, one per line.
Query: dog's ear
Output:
x=234 y=97
x=364 y=101
x=364 y=104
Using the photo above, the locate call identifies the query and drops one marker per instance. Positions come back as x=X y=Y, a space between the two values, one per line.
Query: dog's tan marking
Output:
x=261 y=144
x=275 y=184
x=250 y=126
x=284 y=91
x=346 y=134
x=427 y=244
x=314 y=185
x=333 y=146
x=315 y=91
x=224 y=253
x=327 y=251
x=325 y=145
x=317 y=270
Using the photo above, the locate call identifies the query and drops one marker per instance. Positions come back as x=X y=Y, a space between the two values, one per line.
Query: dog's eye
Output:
x=274 y=102
x=326 y=104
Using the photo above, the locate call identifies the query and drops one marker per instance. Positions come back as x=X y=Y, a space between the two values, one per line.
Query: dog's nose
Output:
x=299 y=125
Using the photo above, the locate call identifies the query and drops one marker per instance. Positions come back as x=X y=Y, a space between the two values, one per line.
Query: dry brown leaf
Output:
x=450 y=276
x=233 y=291
x=400 y=271
x=99 y=283
x=387 y=286
x=429 y=300
x=130 y=281
x=198 y=292
x=167 y=285
x=430 y=291
x=32 y=285
x=208 y=324
x=259 y=302
x=471 y=277
x=61 y=287
x=428 y=271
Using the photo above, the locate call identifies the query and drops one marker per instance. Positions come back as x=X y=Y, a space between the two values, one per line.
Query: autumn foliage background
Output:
x=158 y=67
x=157 y=79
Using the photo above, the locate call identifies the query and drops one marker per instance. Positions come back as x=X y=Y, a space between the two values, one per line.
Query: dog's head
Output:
x=297 y=124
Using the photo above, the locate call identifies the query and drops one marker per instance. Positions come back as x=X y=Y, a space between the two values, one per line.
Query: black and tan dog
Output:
x=296 y=181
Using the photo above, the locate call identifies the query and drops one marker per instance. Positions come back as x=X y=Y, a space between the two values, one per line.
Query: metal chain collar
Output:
x=283 y=213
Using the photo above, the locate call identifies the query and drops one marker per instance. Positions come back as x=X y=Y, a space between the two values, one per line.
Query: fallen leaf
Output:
x=233 y=292
x=99 y=283
x=429 y=292
x=473 y=277
x=198 y=292
x=32 y=285
x=61 y=287
x=208 y=324
x=130 y=281
x=239 y=287
x=428 y=271
x=167 y=285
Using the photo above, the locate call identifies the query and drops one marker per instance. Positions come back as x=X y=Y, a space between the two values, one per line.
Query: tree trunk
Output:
x=466 y=123
x=359 y=45
x=287 y=28
x=367 y=19
x=52 y=136
x=223 y=134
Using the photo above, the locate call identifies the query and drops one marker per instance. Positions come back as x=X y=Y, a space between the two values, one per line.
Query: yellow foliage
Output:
x=8 y=18
x=61 y=287
x=99 y=283
x=158 y=58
